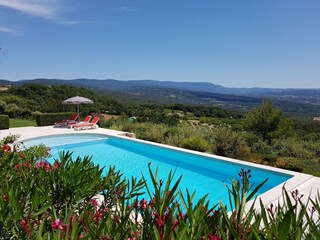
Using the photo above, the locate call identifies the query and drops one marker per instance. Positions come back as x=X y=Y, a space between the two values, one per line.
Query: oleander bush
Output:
x=70 y=198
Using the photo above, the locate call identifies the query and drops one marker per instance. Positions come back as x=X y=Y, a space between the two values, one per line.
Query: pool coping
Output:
x=306 y=184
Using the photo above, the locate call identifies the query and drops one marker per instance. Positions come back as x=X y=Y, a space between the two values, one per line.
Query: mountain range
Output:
x=293 y=101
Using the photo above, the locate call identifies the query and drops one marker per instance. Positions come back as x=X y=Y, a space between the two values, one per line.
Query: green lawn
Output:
x=13 y=123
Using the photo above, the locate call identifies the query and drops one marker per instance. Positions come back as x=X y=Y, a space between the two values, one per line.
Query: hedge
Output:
x=46 y=119
x=4 y=122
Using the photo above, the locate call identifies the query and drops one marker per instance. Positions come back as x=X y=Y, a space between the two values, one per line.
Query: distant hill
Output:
x=301 y=102
x=117 y=85
x=5 y=82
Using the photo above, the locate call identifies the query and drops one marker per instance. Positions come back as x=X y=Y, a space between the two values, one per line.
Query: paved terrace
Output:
x=31 y=132
x=307 y=185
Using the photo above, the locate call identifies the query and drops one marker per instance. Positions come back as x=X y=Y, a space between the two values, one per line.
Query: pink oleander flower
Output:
x=213 y=237
x=116 y=219
x=5 y=198
x=94 y=202
x=56 y=165
x=47 y=167
x=27 y=165
x=6 y=149
x=174 y=224
x=133 y=234
x=160 y=221
x=97 y=216
x=143 y=204
x=44 y=165
x=72 y=218
x=57 y=224
x=25 y=226
x=152 y=202
x=39 y=165
x=23 y=222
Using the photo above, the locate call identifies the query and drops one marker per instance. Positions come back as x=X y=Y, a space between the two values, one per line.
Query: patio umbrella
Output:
x=77 y=100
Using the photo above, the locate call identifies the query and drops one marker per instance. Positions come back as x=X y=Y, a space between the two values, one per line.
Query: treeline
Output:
x=21 y=101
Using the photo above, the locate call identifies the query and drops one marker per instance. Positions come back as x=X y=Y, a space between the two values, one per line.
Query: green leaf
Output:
x=41 y=210
x=251 y=195
x=285 y=225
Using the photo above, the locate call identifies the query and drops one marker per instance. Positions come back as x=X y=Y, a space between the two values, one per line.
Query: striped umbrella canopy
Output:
x=77 y=100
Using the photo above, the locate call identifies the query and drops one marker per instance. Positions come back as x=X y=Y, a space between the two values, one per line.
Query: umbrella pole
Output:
x=78 y=111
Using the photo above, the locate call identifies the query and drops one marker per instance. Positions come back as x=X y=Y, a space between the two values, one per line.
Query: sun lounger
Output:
x=65 y=122
x=86 y=120
x=92 y=124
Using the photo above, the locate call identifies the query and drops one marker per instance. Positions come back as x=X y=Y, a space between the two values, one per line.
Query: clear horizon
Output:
x=270 y=44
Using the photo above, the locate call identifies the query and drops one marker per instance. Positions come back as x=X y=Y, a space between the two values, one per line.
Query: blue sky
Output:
x=239 y=43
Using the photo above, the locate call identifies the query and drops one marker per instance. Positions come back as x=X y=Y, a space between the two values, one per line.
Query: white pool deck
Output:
x=307 y=185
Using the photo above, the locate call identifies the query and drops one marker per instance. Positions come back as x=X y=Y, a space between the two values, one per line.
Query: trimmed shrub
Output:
x=34 y=114
x=290 y=163
x=4 y=122
x=46 y=119
x=195 y=143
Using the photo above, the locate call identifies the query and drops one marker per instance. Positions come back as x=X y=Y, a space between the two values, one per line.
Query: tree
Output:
x=264 y=121
x=12 y=110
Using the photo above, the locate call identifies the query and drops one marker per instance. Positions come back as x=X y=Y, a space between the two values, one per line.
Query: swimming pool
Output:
x=200 y=173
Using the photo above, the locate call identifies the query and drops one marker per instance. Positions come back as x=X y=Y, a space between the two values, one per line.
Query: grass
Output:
x=13 y=123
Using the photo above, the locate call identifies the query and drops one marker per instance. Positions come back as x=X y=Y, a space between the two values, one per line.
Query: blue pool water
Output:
x=199 y=173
